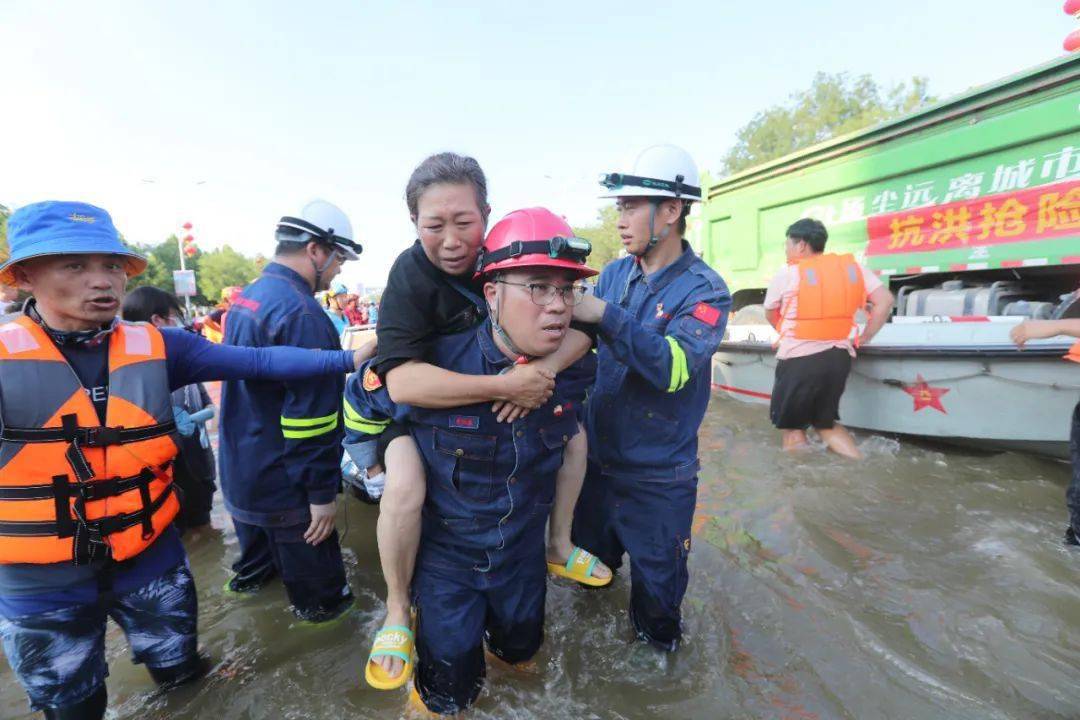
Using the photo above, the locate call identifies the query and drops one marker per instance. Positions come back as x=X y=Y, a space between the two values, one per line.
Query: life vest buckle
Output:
x=94 y=533
x=84 y=491
x=102 y=436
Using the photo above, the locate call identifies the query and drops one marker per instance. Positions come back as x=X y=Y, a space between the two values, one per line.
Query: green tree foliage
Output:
x=213 y=270
x=604 y=236
x=835 y=104
x=221 y=268
x=162 y=259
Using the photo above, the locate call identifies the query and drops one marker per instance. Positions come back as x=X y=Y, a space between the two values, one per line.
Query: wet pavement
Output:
x=924 y=582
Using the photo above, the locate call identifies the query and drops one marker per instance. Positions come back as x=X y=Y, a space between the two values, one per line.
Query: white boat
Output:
x=952 y=380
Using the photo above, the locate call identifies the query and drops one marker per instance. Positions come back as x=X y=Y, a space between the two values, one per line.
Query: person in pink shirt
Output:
x=816 y=347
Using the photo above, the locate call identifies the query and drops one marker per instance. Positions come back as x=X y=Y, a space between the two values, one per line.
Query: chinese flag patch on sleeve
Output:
x=706 y=314
x=371 y=380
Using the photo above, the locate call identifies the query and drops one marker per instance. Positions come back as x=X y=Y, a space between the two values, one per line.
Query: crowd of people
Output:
x=512 y=422
x=345 y=310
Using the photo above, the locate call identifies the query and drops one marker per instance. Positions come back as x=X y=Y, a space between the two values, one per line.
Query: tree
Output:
x=221 y=268
x=834 y=105
x=162 y=260
x=214 y=270
x=604 y=236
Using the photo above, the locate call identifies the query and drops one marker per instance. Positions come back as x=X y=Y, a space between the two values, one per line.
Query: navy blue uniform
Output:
x=653 y=381
x=280 y=447
x=52 y=617
x=481 y=568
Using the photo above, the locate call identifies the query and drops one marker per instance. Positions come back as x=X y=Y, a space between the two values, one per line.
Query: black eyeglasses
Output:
x=543 y=293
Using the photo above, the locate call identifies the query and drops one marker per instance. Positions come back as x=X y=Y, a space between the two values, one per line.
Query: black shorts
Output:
x=807 y=390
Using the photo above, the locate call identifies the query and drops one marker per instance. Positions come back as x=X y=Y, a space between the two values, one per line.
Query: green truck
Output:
x=970 y=211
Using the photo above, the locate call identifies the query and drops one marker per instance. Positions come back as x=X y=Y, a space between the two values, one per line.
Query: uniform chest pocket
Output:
x=556 y=434
x=553 y=439
x=467 y=462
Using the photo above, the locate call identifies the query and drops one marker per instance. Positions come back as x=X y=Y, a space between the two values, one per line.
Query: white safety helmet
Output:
x=661 y=171
x=323 y=222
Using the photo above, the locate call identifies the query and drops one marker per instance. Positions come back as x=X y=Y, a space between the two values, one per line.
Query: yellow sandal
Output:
x=579 y=567
x=393 y=641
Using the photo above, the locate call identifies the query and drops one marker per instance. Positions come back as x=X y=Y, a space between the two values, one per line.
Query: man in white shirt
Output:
x=812 y=302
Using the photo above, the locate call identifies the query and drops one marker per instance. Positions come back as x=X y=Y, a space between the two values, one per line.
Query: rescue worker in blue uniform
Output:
x=281 y=442
x=63 y=574
x=660 y=314
x=481 y=568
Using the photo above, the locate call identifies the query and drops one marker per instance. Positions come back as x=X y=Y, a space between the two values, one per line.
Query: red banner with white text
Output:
x=1040 y=213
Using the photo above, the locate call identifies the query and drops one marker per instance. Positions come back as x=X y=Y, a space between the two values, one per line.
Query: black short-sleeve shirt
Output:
x=420 y=303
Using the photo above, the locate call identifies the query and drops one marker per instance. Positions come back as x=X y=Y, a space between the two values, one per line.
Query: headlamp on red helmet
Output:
x=534 y=237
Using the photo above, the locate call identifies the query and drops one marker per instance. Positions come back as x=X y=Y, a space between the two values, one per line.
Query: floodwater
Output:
x=925 y=582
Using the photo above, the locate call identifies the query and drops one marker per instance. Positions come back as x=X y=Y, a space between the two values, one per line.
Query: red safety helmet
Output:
x=533 y=237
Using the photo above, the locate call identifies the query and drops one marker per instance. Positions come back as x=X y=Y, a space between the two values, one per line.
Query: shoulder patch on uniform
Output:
x=465 y=422
x=371 y=380
x=707 y=314
x=248 y=303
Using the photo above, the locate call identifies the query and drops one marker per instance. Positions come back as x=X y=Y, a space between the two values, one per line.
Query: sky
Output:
x=229 y=115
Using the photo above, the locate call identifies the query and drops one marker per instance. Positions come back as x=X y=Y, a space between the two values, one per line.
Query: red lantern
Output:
x=1072 y=41
x=1072 y=7
x=190 y=250
x=186 y=226
x=189 y=238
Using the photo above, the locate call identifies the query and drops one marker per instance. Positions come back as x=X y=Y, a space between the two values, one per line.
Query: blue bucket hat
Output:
x=64 y=228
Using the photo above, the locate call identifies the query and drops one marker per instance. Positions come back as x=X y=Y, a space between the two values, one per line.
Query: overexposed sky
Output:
x=231 y=114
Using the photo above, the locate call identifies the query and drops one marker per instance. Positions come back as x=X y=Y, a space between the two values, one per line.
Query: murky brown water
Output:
x=922 y=583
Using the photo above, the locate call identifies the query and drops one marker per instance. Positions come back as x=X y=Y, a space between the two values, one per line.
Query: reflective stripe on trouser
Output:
x=59 y=655
x=650 y=521
x=302 y=428
x=458 y=610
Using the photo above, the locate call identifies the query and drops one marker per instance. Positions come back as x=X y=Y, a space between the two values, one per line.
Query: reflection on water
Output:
x=921 y=583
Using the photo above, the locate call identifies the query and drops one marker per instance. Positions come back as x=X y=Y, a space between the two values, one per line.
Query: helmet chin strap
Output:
x=654 y=239
x=320 y=270
x=503 y=335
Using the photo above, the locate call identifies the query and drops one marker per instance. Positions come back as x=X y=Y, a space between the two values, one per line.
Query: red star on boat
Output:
x=926 y=396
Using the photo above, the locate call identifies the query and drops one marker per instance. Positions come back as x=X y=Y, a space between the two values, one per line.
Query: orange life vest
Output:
x=1074 y=353
x=831 y=291
x=70 y=488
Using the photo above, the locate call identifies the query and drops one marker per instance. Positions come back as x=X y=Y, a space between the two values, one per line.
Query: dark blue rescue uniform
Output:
x=481 y=568
x=653 y=381
x=280 y=448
